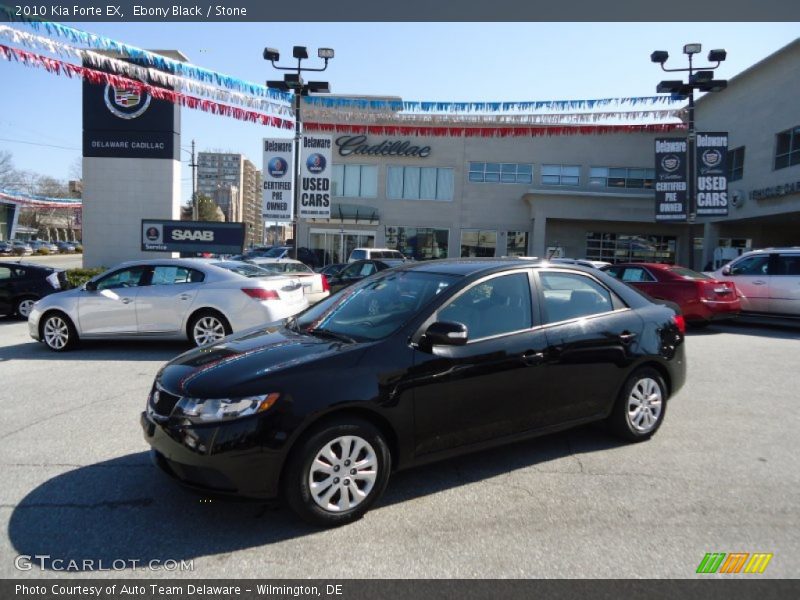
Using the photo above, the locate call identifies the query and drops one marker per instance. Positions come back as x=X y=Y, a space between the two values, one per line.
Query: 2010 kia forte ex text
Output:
x=413 y=364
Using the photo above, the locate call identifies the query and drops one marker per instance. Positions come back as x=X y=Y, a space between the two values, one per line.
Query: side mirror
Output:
x=445 y=333
x=726 y=270
x=90 y=286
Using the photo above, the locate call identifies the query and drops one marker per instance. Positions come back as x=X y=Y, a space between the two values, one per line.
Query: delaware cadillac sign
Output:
x=357 y=145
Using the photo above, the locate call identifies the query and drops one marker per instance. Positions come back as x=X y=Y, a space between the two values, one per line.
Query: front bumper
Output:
x=224 y=459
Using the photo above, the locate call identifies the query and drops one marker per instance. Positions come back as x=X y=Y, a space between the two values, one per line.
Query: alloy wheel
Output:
x=343 y=473
x=25 y=307
x=56 y=333
x=208 y=330
x=644 y=405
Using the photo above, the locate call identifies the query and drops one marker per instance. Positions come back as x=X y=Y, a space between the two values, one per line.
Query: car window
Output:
x=5 y=273
x=358 y=254
x=787 y=264
x=633 y=274
x=297 y=268
x=366 y=269
x=124 y=278
x=493 y=307
x=687 y=273
x=751 y=265
x=572 y=296
x=168 y=275
x=351 y=271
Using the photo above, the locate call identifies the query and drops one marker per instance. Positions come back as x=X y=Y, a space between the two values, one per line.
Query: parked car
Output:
x=20 y=248
x=65 y=247
x=5 y=248
x=22 y=284
x=357 y=271
x=375 y=253
x=332 y=269
x=701 y=298
x=315 y=285
x=39 y=244
x=461 y=355
x=583 y=262
x=768 y=281
x=304 y=255
x=169 y=298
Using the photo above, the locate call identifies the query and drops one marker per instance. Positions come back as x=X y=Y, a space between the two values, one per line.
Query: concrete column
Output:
x=710 y=243
x=538 y=244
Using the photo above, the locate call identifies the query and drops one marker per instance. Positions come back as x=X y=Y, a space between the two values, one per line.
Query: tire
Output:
x=698 y=324
x=321 y=457
x=58 y=333
x=23 y=307
x=644 y=384
x=208 y=327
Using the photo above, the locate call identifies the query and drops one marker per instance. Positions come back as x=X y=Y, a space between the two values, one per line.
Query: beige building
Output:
x=234 y=183
x=581 y=196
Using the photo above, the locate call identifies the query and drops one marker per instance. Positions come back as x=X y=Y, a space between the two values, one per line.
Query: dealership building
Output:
x=573 y=195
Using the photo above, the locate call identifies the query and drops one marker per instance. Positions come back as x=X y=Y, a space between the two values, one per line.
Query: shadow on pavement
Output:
x=783 y=330
x=97 y=350
x=126 y=509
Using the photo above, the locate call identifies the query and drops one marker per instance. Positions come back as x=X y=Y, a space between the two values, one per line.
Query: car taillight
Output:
x=261 y=293
x=52 y=279
x=680 y=323
x=325 y=286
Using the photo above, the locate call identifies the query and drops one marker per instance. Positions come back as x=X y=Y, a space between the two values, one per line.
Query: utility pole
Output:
x=195 y=208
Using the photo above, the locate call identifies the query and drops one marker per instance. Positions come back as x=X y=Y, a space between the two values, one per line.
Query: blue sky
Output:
x=417 y=61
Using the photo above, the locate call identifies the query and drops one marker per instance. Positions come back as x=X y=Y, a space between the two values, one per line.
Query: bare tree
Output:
x=7 y=172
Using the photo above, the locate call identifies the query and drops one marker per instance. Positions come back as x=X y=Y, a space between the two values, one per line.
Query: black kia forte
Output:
x=414 y=364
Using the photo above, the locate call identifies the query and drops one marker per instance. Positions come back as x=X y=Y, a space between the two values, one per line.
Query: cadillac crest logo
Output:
x=126 y=102
x=670 y=163
x=712 y=158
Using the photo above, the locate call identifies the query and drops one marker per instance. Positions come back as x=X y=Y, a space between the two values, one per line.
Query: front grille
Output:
x=163 y=402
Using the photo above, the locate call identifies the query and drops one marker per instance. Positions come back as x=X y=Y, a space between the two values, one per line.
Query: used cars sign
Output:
x=192 y=236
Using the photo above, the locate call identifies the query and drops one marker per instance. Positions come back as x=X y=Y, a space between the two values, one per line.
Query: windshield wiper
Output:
x=331 y=334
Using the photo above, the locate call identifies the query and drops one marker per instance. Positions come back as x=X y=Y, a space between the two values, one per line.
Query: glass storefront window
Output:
x=516 y=243
x=419 y=243
x=478 y=242
x=618 y=248
x=333 y=246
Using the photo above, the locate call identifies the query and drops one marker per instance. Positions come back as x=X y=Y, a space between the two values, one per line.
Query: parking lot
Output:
x=722 y=475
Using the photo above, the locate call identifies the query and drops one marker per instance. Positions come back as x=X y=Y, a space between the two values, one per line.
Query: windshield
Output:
x=687 y=273
x=244 y=269
x=275 y=252
x=375 y=308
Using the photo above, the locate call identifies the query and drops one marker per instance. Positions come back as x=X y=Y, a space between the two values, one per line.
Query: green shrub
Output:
x=43 y=251
x=77 y=277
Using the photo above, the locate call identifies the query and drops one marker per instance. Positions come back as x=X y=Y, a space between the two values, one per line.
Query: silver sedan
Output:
x=164 y=299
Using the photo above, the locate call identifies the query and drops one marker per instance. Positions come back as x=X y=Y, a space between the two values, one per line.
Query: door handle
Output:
x=759 y=282
x=126 y=300
x=626 y=337
x=184 y=296
x=532 y=358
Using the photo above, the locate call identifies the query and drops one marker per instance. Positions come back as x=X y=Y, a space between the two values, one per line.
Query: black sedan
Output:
x=22 y=284
x=459 y=355
x=358 y=270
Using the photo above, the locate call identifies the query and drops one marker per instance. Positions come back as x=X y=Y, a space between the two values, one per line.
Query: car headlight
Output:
x=223 y=409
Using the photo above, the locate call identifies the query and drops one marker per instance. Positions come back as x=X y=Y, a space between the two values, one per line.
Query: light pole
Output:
x=701 y=79
x=294 y=81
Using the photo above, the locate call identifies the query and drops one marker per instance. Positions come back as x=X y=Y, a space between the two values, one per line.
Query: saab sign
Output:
x=192 y=236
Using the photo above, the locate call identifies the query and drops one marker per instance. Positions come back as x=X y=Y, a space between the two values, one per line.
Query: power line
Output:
x=38 y=144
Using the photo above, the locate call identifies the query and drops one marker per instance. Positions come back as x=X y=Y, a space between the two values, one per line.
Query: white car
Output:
x=768 y=281
x=315 y=285
x=375 y=253
x=164 y=299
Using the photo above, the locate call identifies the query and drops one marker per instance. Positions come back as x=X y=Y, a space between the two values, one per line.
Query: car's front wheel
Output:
x=338 y=472
x=641 y=405
x=24 y=307
x=58 y=332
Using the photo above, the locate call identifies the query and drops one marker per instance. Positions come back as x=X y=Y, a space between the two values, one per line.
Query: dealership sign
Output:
x=315 y=177
x=712 y=174
x=192 y=236
x=357 y=145
x=278 y=201
x=671 y=179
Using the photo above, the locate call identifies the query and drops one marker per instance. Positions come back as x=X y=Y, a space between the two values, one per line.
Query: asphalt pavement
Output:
x=722 y=475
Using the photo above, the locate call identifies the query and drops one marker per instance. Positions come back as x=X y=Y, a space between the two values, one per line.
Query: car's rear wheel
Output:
x=641 y=405
x=24 y=307
x=208 y=327
x=337 y=473
x=58 y=332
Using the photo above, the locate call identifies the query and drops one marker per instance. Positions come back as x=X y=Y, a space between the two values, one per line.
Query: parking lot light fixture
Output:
x=294 y=81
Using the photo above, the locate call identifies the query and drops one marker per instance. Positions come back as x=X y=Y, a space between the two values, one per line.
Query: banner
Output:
x=192 y=236
x=315 y=177
x=671 y=180
x=278 y=196
x=712 y=174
